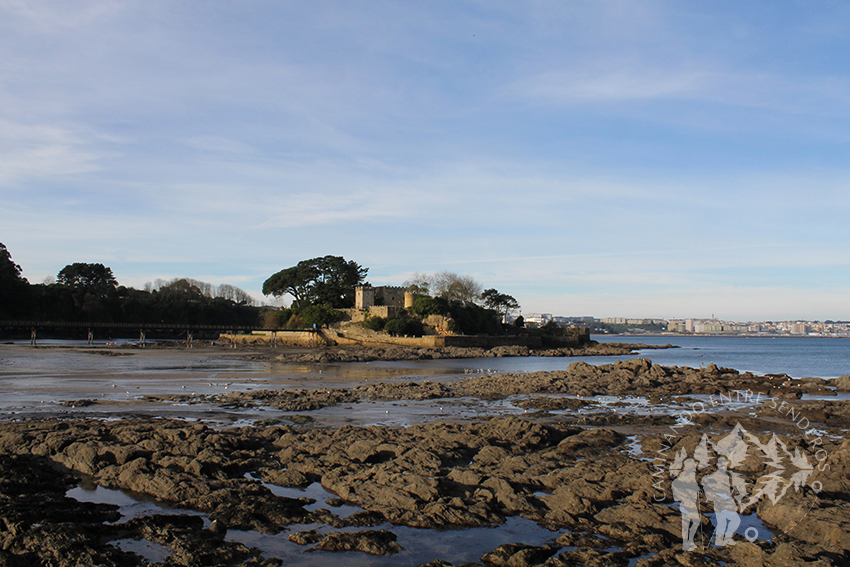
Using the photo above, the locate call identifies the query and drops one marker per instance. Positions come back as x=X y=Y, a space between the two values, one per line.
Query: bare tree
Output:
x=453 y=287
x=224 y=291
x=419 y=283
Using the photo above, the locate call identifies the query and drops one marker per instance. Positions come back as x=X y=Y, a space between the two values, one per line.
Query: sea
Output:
x=798 y=357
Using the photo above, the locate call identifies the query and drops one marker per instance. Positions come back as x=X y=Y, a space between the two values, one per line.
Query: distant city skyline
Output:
x=657 y=158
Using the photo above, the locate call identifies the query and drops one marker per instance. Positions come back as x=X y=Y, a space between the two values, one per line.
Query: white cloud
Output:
x=30 y=151
x=622 y=83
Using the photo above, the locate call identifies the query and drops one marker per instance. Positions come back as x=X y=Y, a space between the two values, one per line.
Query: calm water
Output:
x=796 y=356
x=799 y=357
x=40 y=378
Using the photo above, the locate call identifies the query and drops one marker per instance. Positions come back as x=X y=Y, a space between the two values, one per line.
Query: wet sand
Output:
x=315 y=464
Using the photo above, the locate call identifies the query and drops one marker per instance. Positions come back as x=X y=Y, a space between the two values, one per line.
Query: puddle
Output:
x=634 y=449
x=457 y=546
x=421 y=545
x=150 y=551
x=751 y=527
x=838 y=397
x=634 y=560
x=129 y=505
x=315 y=491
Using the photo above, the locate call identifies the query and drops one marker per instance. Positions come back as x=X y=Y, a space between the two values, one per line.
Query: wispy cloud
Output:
x=37 y=151
x=589 y=156
x=623 y=83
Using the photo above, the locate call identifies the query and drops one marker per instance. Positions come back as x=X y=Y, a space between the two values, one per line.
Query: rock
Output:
x=842 y=383
x=632 y=520
x=374 y=542
x=364 y=519
x=285 y=477
x=218 y=527
x=589 y=443
x=306 y=538
x=518 y=555
x=806 y=517
x=833 y=473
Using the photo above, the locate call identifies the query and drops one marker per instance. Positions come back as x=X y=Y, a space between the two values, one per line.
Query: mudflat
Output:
x=270 y=457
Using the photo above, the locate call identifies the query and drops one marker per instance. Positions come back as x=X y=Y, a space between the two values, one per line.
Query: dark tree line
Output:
x=319 y=287
x=90 y=293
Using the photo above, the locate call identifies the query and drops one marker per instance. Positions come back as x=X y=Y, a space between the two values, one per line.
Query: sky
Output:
x=590 y=158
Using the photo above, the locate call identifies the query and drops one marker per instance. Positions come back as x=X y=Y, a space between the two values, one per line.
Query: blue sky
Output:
x=606 y=158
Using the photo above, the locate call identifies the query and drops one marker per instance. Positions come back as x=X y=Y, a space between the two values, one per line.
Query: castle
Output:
x=391 y=297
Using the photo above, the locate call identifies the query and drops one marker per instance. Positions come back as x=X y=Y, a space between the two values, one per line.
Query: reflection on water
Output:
x=152 y=552
x=314 y=491
x=37 y=380
x=130 y=505
x=456 y=546
x=421 y=545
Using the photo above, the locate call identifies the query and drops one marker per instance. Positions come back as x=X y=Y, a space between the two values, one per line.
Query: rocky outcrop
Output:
x=374 y=542
x=397 y=352
x=581 y=481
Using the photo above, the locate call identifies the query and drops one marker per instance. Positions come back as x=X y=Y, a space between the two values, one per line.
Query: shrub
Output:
x=319 y=315
x=424 y=306
x=375 y=323
x=275 y=318
x=403 y=324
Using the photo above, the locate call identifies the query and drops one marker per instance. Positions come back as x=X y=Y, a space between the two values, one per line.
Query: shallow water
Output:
x=421 y=545
x=129 y=505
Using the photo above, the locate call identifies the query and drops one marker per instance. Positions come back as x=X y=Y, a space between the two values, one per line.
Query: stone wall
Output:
x=325 y=337
x=359 y=315
x=279 y=338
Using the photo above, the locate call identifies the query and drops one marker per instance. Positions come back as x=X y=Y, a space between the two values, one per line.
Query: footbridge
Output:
x=271 y=336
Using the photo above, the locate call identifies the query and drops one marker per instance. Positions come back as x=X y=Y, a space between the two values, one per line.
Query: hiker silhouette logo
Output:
x=709 y=475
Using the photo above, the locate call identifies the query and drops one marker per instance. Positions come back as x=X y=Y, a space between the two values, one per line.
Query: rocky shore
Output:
x=597 y=473
x=368 y=354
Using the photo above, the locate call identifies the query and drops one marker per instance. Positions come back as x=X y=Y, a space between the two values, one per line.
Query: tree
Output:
x=329 y=279
x=453 y=287
x=319 y=315
x=14 y=289
x=95 y=279
x=419 y=284
x=501 y=302
x=403 y=324
x=182 y=289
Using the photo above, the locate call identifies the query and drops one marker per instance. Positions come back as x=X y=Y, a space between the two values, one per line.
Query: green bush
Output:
x=403 y=324
x=375 y=323
x=319 y=315
x=424 y=306
x=275 y=318
x=473 y=319
x=470 y=319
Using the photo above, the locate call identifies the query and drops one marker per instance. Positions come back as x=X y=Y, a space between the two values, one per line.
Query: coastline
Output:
x=575 y=452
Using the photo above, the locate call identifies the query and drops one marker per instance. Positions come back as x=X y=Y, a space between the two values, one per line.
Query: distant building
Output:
x=537 y=319
x=799 y=329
